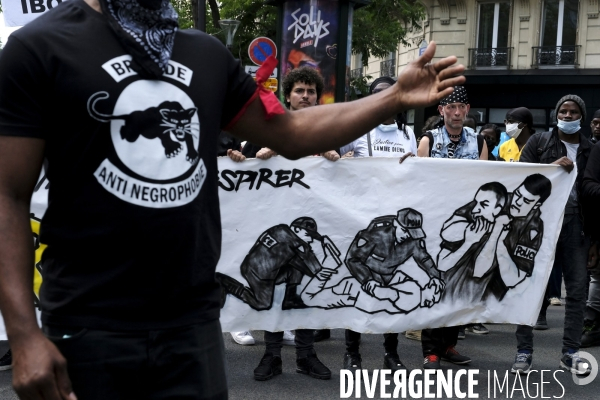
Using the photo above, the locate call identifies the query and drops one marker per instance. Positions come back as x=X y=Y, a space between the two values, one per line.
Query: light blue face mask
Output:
x=388 y=128
x=569 y=127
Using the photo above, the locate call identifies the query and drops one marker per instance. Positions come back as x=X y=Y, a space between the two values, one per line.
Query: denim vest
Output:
x=466 y=148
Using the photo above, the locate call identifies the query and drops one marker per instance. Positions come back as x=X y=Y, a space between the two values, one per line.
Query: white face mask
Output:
x=569 y=127
x=513 y=130
x=387 y=128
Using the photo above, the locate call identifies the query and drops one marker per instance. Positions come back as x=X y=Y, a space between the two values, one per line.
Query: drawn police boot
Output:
x=292 y=299
x=229 y=285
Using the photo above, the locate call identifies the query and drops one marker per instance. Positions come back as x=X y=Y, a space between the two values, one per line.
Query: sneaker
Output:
x=572 y=363
x=455 y=357
x=555 y=301
x=289 y=338
x=590 y=336
x=413 y=335
x=268 y=367
x=312 y=366
x=6 y=361
x=522 y=363
x=322 y=334
x=352 y=361
x=480 y=329
x=541 y=324
x=244 y=338
x=461 y=333
x=431 y=361
x=392 y=361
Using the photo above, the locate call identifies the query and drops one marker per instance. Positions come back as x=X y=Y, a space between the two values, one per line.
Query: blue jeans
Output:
x=593 y=301
x=571 y=256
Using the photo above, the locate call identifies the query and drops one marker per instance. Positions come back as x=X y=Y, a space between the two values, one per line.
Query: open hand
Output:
x=422 y=84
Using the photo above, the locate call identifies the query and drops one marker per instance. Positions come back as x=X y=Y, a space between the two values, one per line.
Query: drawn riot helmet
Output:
x=308 y=224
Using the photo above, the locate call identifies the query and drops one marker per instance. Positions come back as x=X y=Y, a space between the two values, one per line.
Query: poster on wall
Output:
x=310 y=38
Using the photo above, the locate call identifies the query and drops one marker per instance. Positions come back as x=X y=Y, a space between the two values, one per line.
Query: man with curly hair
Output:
x=302 y=88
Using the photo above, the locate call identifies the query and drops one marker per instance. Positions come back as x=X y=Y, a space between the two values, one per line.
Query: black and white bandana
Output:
x=458 y=96
x=146 y=28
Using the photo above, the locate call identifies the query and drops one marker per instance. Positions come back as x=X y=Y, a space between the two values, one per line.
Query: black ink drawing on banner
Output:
x=489 y=245
x=166 y=122
x=378 y=281
x=282 y=255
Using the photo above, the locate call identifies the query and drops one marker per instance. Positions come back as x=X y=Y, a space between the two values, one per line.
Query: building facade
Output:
x=519 y=53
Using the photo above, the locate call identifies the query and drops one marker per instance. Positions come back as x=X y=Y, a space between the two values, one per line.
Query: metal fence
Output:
x=490 y=57
x=555 y=55
x=356 y=73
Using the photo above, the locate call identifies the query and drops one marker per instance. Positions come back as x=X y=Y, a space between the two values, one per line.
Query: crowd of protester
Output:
x=454 y=133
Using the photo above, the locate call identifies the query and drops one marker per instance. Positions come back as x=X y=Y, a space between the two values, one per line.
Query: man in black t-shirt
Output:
x=129 y=129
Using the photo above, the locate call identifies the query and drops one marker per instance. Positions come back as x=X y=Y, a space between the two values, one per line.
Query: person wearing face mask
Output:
x=491 y=134
x=392 y=138
x=519 y=126
x=564 y=145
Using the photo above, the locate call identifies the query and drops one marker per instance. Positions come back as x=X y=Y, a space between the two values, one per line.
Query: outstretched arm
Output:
x=39 y=369
x=295 y=134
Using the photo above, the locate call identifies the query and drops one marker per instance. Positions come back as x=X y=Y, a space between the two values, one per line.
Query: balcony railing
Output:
x=356 y=73
x=490 y=57
x=388 y=67
x=555 y=56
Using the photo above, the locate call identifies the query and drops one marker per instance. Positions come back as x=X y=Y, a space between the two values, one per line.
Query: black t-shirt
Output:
x=133 y=224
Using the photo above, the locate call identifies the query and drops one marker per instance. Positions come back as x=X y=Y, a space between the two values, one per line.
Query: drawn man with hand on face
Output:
x=464 y=236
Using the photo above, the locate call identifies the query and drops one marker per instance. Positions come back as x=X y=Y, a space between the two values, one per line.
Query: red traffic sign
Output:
x=260 y=49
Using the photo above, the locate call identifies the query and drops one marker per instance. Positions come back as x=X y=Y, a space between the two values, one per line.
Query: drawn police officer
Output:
x=282 y=254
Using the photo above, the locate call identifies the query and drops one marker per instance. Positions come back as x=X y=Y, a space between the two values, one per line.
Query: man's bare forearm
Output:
x=318 y=129
x=16 y=270
x=20 y=164
x=312 y=130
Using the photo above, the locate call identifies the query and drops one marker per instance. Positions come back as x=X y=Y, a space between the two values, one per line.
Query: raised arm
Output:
x=39 y=368
x=318 y=129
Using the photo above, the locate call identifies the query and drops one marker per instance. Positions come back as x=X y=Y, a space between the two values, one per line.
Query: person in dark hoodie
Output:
x=564 y=145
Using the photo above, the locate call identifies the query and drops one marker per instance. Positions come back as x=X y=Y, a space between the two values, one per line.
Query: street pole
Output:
x=230 y=27
x=201 y=21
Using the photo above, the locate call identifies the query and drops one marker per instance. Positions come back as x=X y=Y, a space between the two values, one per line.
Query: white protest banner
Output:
x=19 y=13
x=377 y=246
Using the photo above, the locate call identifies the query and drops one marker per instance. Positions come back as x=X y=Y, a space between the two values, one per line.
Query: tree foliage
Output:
x=377 y=28
x=381 y=25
